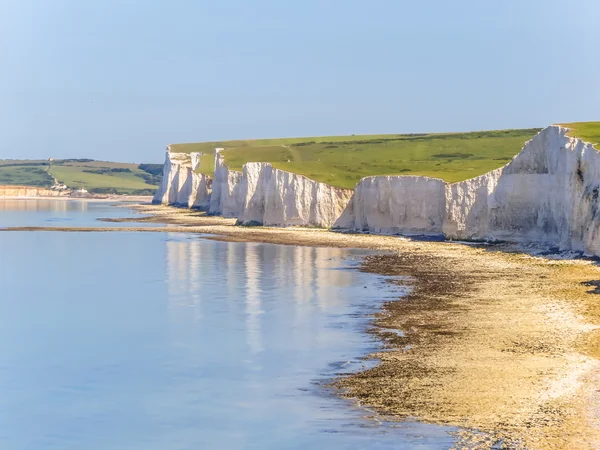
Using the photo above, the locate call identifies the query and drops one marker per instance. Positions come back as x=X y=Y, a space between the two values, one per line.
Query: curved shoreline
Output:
x=494 y=341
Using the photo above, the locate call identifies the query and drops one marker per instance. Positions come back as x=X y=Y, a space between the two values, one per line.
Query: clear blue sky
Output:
x=120 y=79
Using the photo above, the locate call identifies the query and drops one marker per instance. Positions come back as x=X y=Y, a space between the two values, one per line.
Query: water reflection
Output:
x=39 y=212
x=253 y=277
x=60 y=206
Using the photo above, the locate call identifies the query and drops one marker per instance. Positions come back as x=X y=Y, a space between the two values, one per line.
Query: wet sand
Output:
x=496 y=341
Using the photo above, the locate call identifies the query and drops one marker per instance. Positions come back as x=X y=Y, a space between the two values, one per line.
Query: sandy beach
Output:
x=494 y=340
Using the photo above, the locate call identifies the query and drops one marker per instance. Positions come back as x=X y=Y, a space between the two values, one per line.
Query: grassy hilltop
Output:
x=98 y=177
x=343 y=160
x=588 y=131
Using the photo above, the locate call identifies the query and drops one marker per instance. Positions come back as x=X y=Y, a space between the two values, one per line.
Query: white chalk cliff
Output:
x=271 y=196
x=260 y=194
x=181 y=184
x=549 y=193
x=225 y=197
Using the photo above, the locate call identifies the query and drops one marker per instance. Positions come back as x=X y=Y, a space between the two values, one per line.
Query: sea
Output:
x=172 y=341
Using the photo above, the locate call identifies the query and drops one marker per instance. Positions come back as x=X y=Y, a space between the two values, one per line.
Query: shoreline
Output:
x=494 y=341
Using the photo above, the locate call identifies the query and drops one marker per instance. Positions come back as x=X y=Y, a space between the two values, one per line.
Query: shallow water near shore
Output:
x=60 y=212
x=154 y=341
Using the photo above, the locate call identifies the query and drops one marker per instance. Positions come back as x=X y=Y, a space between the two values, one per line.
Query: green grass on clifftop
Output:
x=587 y=131
x=207 y=160
x=343 y=160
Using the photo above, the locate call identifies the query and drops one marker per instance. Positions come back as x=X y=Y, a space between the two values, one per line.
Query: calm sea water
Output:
x=169 y=341
x=61 y=213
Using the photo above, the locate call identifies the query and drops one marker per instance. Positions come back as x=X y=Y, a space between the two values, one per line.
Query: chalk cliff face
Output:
x=181 y=185
x=549 y=193
x=261 y=194
x=225 y=199
x=467 y=206
x=201 y=186
x=275 y=197
x=396 y=204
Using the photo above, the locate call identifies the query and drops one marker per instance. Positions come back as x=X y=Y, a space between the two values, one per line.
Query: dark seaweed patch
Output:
x=593 y=283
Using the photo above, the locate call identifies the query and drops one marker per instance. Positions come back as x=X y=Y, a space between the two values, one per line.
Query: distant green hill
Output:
x=98 y=177
x=343 y=160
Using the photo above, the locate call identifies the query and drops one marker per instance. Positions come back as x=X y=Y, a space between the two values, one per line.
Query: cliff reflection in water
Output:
x=293 y=284
x=39 y=205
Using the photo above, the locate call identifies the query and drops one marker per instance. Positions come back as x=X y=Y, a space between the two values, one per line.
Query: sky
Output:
x=120 y=79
